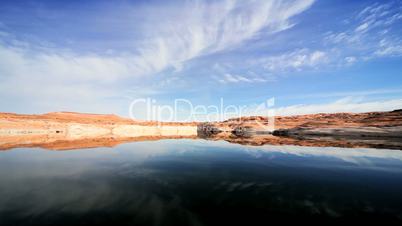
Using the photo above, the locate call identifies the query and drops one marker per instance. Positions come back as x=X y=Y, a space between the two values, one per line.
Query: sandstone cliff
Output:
x=68 y=130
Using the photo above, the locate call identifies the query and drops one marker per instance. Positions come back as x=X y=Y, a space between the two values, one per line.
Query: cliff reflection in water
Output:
x=251 y=139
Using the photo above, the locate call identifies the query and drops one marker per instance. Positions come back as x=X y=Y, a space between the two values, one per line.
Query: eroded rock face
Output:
x=335 y=120
x=207 y=129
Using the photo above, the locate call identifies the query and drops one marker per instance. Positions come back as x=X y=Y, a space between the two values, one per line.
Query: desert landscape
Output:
x=200 y=112
x=69 y=130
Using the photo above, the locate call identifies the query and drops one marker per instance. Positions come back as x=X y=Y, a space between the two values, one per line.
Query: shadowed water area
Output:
x=199 y=182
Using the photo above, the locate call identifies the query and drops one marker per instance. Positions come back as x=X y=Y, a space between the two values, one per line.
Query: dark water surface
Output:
x=198 y=182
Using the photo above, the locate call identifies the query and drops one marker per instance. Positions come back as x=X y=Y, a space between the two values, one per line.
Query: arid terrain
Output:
x=68 y=130
x=334 y=120
x=369 y=130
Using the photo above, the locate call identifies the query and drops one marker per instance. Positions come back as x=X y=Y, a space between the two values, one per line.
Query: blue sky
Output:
x=99 y=56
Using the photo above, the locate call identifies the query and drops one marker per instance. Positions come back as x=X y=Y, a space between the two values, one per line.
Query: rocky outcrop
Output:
x=385 y=124
x=372 y=129
x=333 y=120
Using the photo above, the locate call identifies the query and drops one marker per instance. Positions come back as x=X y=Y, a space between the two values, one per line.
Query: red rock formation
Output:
x=334 y=120
x=53 y=130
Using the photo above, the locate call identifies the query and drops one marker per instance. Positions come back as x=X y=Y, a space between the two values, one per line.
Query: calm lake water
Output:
x=199 y=182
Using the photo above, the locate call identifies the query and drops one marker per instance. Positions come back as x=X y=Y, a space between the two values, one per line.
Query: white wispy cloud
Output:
x=368 y=35
x=363 y=27
x=22 y=63
x=232 y=78
x=388 y=47
x=344 y=94
x=198 y=28
x=350 y=59
x=271 y=67
x=348 y=104
x=294 y=60
x=371 y=33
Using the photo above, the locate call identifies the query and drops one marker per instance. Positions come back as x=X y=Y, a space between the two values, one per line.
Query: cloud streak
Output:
x=373 y=34
x=295 y=60
x=348 y=104
x=195 y=29
x=369 y=35
x=200 y=29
